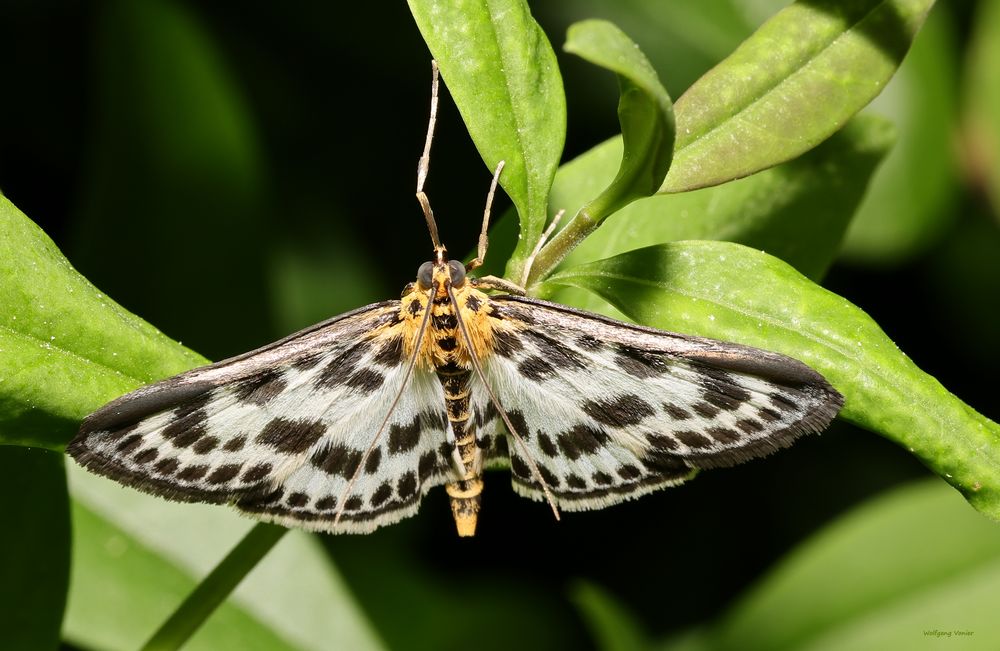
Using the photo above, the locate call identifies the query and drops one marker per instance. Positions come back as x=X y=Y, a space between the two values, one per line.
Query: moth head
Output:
x=451 y=271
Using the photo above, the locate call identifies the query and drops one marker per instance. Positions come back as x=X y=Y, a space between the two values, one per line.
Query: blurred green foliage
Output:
x=232 y=173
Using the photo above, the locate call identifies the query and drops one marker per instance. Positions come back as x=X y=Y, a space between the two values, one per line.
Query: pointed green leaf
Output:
x=795 y=81
x=645 y=112
x=900 y=572
x=501 y=70
x=65 y=347
x=611 y=625
x=733 y=293
x=797 y=211
x=647 y=122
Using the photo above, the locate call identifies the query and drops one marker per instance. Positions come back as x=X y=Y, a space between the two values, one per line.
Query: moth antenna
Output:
x=484 y=241
x=538 y=247
x=424 y=164
x=342 y=502
x=496 y=403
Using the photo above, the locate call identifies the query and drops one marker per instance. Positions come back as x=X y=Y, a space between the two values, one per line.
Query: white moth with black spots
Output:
x=344 y=426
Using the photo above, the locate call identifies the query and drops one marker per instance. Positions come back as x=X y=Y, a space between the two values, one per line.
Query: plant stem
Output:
x=214 y=589
x=583 y=224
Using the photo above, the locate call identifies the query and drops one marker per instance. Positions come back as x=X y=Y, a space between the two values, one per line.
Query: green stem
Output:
x=212 y=591
x=559 y=247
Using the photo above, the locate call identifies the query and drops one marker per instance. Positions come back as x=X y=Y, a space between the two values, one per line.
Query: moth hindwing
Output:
x=345 y=426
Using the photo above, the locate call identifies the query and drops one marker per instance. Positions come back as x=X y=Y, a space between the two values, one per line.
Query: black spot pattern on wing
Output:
x=366 y=380
x=640 y=363
x=373 y=461
x=337 y=460
x=619 y=411
x=146 y=456
x=721 y=389
x=225 y=473
x=340 y=368
x=404 y=437
x=555 y=352
x=406 y=487
x=261 y=388
x=694 y=439
x=536 y=369
x=390 y=353
x=205 y=445
x=166 y=466
x=291 y=436
x=297 y=499
x=235 y=444
x=506 y=343
x=676 y=412
x=256 y=473
x=516 y=419
x=129 y=443
x=190 y=422
x=581 y=440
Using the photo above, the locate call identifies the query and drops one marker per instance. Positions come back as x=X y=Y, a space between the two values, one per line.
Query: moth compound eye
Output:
x=425 y=275
x=457 y=270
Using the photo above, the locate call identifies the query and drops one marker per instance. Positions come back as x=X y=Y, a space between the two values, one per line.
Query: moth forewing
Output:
x=616 y=410
x=281 y=430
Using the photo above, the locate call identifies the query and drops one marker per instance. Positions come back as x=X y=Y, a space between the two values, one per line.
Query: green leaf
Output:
x=684 y=38
x=895 y=573
x=65 y=348
x=795 y=81
x=733 y=293
x=612 y=626
x=647 y=122
x=34 y=550
x=911 y=199
x=982 y=128
x=645 y=112
x=503 y=75
x=797 y=211
x=135 y=558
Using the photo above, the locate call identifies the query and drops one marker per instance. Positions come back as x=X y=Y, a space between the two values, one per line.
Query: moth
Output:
x=346 y=425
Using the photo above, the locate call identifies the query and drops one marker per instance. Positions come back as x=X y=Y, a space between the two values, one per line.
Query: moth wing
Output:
x=609 y=411
x=280 y=430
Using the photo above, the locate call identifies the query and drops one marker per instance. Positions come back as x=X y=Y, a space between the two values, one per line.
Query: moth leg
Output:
x=493 y=282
